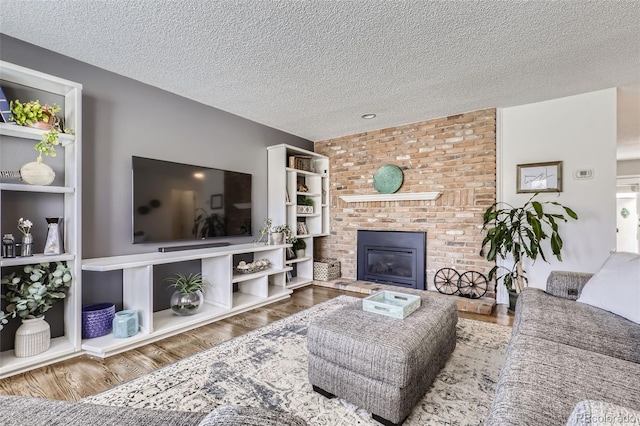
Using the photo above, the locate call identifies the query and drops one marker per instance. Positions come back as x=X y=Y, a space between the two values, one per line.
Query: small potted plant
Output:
x=278 y=234
x=304 y=205
x=33 y=114
x=29 y=296
x=299 y=246
x=516 y=233
x=188 y=297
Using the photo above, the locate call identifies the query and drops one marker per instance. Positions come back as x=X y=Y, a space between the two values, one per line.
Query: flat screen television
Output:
x=181 y=202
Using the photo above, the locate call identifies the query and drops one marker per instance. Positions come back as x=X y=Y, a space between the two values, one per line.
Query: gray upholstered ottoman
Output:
x=382 y=364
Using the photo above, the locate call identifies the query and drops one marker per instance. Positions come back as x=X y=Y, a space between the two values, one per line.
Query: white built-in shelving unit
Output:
x=221 y=300
x=12 y=207
x=283 y=184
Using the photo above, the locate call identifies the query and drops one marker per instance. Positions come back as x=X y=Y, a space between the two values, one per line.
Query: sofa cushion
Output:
x=22 y=411
x=615 y=287
x=602 y=413
x=230 y=415
x=541 y=381
x=565 y=321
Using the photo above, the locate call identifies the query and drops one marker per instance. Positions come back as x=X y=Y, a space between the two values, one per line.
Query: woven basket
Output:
x=325 y=270
x=97 y=319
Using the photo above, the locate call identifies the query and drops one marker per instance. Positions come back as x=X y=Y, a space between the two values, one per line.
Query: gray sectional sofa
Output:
x=563 y=352
x=23 y=411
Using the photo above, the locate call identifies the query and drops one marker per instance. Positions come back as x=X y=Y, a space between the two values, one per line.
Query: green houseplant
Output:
x=299 y=246
x=516 y=233
x=29 y=296
x=34 y=114
x=187 y=299
x=277 y=234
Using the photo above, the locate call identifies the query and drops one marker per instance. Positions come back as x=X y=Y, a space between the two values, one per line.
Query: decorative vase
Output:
x=186 y=304
x=300 y=253
x=26 y=248
x=125 y=324
x=33 y=337
x=276 y=238
x=35 y=173
x=54 y=243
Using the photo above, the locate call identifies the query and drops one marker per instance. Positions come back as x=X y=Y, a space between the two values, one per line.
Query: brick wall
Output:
x=454 y=155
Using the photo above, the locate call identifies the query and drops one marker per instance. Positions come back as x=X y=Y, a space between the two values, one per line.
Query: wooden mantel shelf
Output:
x=403 y=196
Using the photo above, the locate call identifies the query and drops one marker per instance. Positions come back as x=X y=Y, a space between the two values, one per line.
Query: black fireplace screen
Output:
x=392 y=257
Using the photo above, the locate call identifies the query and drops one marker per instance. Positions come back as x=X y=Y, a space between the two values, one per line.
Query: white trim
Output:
x=391 y=197
x=502 y=297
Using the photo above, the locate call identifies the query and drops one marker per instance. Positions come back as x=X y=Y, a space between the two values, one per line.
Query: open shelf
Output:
x=237 y=278
x=241 y=300
x=36 y=258
x=61 y=348
x=14 y=130
x=275 y=291
x=299 y=282
x=20 y=187
x=298 y=259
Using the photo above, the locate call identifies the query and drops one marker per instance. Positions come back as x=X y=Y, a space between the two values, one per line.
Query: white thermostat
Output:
x=583 y=174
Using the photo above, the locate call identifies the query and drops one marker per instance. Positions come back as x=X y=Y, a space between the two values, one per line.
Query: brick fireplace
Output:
x=453 y=155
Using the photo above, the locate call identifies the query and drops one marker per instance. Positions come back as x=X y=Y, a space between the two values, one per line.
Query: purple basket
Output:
x=97 y=319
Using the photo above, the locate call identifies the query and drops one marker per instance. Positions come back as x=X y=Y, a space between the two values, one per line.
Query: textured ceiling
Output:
x=312 y=68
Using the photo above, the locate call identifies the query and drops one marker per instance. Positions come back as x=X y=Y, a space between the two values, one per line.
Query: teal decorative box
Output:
x=391 y=304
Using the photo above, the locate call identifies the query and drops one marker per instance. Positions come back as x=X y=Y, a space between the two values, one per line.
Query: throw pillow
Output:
x=230 y=415
x=616 y=286
x=602 y=413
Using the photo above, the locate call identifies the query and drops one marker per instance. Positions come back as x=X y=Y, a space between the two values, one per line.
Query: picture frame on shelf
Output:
x=5 y=108
x=302 y=228
x=539 y=177
x=217 y=201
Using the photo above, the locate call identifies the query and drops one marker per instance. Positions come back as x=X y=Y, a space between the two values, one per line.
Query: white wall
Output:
x=580 y=131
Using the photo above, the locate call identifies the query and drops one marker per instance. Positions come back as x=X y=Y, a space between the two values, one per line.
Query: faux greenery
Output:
x=299 y=245
x=33 y=294
x=304 y=201
x=518 y=233
x=186 y=284
x=32 y=112
x=268 y=228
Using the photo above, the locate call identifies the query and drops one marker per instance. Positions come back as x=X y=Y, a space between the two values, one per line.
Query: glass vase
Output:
x=184 y=304
x=26 y=248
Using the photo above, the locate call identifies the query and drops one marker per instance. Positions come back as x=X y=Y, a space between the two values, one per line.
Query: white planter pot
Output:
x=276 y=238
x=304 y=209
x=300 y=253
x=33 y=337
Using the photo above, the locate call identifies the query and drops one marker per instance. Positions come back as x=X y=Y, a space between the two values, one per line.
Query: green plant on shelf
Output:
x=31 y=295
x=304 y=201
x=186 y=284
x=299 y=245
x=33 y=114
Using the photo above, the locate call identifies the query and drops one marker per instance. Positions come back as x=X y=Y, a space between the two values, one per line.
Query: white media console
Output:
x=221 y=301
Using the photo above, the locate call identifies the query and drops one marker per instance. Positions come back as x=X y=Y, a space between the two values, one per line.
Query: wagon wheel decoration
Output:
x=446 y=280
x=472 y=284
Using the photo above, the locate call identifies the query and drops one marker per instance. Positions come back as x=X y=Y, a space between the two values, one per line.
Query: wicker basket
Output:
x=326 y=270
x=97 y=319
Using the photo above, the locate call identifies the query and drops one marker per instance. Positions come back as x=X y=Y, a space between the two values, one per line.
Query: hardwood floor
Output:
x=86 y=375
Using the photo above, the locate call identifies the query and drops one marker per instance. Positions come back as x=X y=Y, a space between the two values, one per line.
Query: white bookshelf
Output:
x=283 y=193
x=30 y=82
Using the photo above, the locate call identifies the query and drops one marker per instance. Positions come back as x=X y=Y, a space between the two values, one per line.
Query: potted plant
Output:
x=29 y=297
x=515 y=233
x=299 y=246
x=278 y=234
x=304 y=205
x=187 y=299
x=33 y=114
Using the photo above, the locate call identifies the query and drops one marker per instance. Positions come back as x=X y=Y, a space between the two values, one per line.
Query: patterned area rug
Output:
x=267 y=367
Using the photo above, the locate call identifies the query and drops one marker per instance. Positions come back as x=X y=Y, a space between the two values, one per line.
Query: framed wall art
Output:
x=216 y=201
x=539 y=177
